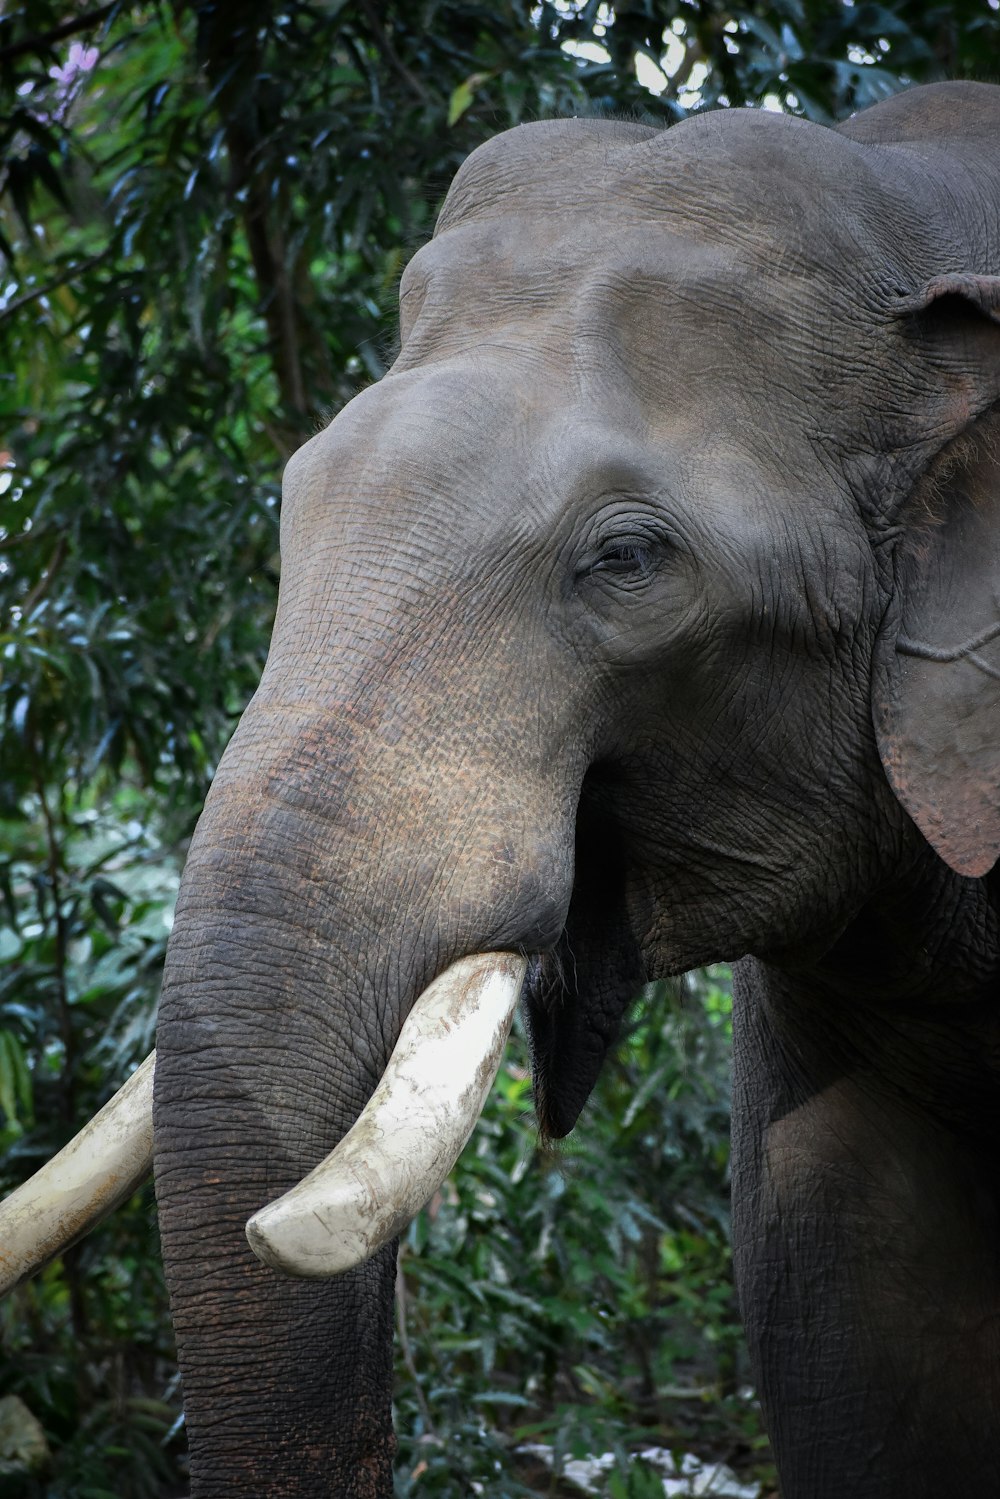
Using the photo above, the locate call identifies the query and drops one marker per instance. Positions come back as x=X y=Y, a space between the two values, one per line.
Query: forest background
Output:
x=204 y=211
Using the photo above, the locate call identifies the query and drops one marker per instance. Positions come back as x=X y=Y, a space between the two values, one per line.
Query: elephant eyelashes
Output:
x=631 y=562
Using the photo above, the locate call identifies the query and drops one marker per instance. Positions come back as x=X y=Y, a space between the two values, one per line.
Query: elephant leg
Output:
x=867 y=1250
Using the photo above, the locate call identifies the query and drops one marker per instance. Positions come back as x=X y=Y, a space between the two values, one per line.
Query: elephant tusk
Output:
x=410 y=1133
x=83 y=1183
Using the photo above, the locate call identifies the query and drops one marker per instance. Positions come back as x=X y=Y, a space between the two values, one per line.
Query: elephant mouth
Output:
x=574 y=1000
x=577 y=992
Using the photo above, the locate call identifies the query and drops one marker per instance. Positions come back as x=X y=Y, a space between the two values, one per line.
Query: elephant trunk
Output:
x=287 y=1383
x=294 y=963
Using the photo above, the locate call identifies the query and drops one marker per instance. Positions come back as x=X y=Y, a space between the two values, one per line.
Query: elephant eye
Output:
x=628 y=560
x=624 y=557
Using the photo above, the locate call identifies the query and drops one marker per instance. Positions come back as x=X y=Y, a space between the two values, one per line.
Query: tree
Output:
x=204 y=211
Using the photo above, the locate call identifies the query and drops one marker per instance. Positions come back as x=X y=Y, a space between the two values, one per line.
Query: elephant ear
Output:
x=937 y=709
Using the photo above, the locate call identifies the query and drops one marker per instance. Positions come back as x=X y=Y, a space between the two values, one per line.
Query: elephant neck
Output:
x=928 y=939
x=903 y=1006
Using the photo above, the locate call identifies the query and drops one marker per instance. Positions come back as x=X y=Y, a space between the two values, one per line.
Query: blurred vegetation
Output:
x=582 y=1298
x=204 y=210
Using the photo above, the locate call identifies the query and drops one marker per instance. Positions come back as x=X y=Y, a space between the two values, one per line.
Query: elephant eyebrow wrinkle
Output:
x=967 y=651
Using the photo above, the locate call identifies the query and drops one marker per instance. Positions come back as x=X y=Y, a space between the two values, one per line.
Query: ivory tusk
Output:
x=410 y=1133
x=71 y=1193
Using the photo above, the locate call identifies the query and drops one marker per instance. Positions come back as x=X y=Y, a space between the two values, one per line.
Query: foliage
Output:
x=204 y=210
x=581 y=1298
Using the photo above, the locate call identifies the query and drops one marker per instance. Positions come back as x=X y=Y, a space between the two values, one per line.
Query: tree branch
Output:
x=404 y=1343
x=43 y=291
x=682 y=73
x=47 y=39
x=383 y=42
x=44 y=583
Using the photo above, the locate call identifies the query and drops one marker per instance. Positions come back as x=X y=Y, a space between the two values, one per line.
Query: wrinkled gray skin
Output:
x=644 y=614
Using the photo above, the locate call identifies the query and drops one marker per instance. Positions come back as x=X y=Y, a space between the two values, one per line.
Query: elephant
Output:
x=645 y=614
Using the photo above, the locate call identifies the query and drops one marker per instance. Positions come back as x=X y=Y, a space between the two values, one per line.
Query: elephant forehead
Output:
x=624 y=307
x=469 y=460
x=482 y=275
x=456 y=446
x=731 y=176
x=496 y=427
x=730 y=236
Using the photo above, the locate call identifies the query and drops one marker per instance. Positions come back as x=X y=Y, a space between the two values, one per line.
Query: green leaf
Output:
x=463 y=94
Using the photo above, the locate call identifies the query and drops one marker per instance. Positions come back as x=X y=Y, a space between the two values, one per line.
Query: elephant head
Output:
x=644 y=614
